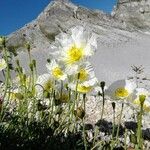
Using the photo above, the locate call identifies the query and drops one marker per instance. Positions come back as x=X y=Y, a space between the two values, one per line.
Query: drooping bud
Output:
x=80 y=113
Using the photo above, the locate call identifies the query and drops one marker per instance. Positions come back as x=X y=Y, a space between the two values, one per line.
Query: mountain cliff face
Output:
x=59 y=16
x=134 y=13
x=123 y=37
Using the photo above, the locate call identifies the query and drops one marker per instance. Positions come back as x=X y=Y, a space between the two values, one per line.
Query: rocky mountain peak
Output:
x=60 y=15
x=133 y=13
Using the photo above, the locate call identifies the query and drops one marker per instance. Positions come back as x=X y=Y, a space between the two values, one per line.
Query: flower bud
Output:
x=46 y=94
x=113 y=105
x=28 y=47
x=78 y=77
x=66 y=87
x=17 y=62
x=84 y=96
x=34 y=63
x=10 y=66
x=142 y=99
x=48 y=60
x=29 y=94
x=31 y=66
x=102 y=84
x=17 y=69
x=1 y=103
x=80 y=113
x=21 y=69
x=24 y=78
x=41 y=107
x=99 y=93
x=19 y=96
x=133 y=138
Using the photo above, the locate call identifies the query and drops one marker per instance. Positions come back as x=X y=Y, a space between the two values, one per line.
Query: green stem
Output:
x=119 y=123
x=125 y=139
x=61 y=90
x=7 y=80
x=103 y=97
x=113 y=124
x=83 y=121
x=139 y=130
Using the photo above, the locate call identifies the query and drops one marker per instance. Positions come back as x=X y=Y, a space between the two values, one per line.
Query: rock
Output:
x=134 y=13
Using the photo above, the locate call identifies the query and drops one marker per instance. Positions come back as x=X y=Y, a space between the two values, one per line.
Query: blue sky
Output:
x=16 y=13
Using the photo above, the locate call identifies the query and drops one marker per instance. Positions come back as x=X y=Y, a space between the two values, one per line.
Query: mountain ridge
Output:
x=59 y=16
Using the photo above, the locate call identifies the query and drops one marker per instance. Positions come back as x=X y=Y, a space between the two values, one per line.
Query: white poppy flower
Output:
x=76 y=47
x=84 y=87
x=56 y=70
x=84 y=70
x=121 y=89
x=44 y=83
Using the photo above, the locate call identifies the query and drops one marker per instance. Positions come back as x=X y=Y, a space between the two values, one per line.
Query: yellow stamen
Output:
x=84 y=89
x=74 y=54
x=83 y=75
x=121 y=93
x=12 y=96
x=57 y=72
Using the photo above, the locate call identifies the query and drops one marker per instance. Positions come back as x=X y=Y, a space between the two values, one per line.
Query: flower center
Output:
x=74 y=55
x=83 y=75
x=57 y=72
x=121 y=93
x=84 y=89
x=48 y=85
